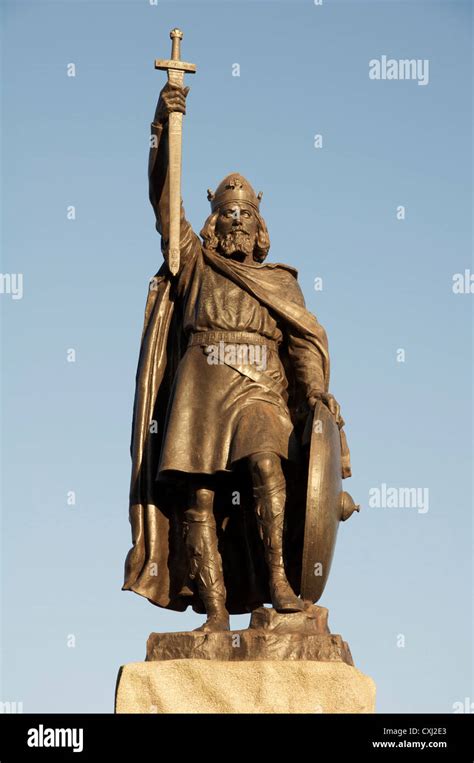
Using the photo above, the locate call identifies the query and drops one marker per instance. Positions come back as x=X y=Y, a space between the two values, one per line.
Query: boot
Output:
x=205 y=566
x=270 y=507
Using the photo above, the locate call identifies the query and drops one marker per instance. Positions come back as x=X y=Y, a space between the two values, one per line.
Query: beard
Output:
x=236 y=242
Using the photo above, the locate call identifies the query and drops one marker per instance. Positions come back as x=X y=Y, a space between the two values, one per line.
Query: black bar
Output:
x=314 y=737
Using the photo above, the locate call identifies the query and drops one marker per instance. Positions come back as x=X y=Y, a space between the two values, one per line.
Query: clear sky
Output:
x=400 y=591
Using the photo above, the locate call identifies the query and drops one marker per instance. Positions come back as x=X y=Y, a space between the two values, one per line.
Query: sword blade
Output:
x=175 y=136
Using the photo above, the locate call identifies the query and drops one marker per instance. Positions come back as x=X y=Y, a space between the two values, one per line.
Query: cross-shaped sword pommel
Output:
x=176 y=69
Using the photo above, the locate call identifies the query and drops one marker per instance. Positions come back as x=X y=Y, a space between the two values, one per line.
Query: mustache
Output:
x=235 y=232
x=238 y=228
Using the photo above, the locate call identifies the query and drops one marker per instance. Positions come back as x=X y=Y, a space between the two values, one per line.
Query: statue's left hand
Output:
x=328 y=400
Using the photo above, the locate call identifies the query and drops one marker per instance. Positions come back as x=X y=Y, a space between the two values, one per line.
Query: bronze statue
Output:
x=237 y=447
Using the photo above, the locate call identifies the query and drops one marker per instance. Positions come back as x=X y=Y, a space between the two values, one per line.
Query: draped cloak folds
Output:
x=156 y=565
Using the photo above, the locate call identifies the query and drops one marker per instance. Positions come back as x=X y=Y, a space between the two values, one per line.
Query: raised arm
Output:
x=172 y=98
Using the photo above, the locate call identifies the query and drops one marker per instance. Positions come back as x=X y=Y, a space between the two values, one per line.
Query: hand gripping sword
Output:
x=176 y=70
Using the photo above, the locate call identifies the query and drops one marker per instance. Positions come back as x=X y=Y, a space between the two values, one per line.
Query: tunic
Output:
x=217 y=415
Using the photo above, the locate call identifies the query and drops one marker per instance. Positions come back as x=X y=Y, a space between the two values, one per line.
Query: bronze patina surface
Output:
x=326 y=503
x=235 y=498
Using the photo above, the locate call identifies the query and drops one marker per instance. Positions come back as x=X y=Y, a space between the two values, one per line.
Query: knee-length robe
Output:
x=194 y=417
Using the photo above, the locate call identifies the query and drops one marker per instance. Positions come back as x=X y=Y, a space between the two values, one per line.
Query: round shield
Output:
x=323 y=503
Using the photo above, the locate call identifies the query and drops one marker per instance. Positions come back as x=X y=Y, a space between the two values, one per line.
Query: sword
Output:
x=176 y=69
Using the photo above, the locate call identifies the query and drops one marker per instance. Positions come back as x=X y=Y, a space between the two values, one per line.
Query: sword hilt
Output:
x=176 y=37
x=176 y=70
x=175 y=63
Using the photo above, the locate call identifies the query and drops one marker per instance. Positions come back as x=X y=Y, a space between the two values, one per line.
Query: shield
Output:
x=326 y=503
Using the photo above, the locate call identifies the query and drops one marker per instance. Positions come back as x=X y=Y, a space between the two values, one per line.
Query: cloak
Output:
x=156 y=565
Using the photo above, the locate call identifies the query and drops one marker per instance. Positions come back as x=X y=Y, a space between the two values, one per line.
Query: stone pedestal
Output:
x=259 y=686
x=280 y=664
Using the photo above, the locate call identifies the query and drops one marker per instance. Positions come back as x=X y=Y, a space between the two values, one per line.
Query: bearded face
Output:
x=236 y=242
x=236 y=230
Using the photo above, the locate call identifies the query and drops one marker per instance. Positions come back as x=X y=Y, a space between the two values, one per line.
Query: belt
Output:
x=231 y=337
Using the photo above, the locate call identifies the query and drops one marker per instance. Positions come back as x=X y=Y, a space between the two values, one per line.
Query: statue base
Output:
x=259 y=686
x=280 y=664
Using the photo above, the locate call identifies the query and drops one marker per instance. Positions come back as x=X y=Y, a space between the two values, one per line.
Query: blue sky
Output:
x=331 y=212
